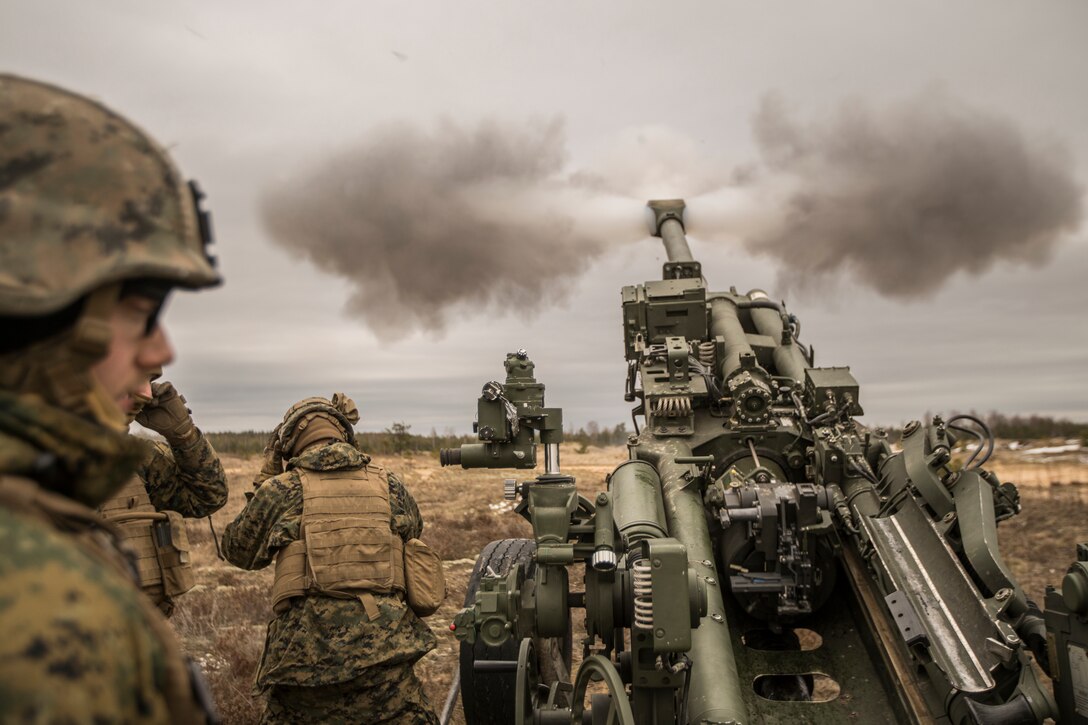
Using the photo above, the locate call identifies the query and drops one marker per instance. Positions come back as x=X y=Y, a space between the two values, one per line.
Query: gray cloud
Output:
x=901 y=198
x=429 y=225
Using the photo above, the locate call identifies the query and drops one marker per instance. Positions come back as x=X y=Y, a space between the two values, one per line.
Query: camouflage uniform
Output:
x=93 y=657
x=324 y=659
x=88 y=204
x=188 y=480
x=183 y=476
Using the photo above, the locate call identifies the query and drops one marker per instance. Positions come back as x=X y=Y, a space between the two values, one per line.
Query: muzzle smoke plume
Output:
x=430 y=225
x=903 y=198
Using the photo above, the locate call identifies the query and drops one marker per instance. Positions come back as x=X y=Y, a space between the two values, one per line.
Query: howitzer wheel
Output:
x=489 y=698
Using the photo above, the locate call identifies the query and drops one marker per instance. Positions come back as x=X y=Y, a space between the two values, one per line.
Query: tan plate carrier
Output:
x=157 y=539
x=347 y=547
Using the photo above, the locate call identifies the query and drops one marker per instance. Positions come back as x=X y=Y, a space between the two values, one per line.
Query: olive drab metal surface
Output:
x=763 y=556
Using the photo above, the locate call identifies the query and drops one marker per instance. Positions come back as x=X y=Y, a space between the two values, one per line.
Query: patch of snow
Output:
x=1068 y=448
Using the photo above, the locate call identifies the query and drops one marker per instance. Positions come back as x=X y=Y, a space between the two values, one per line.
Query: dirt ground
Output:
x=222 y=621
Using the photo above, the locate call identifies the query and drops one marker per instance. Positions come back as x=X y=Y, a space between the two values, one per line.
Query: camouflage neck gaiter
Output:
x=63 y=452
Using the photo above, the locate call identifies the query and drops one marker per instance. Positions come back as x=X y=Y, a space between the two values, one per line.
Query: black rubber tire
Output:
x=488 y=698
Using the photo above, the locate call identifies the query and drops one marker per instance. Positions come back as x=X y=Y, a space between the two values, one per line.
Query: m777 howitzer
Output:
x=763 y=556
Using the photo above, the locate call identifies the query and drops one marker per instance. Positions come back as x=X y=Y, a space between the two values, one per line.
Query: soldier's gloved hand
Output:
x=167 y=415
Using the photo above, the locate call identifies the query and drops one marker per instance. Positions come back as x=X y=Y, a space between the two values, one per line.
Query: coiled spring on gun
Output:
x=671 y=406
x=706 y=353
x=642 y=580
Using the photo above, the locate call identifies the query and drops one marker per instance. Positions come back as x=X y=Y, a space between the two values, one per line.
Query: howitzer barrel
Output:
x=676 y=244
x=668 y=223
x=714 y=693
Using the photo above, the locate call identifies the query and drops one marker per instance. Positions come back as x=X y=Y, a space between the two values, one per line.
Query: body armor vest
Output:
x=157 y=540
x=346 y=547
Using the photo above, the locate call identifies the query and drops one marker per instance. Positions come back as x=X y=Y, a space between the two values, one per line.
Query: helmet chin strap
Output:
x=79 y=391
x=101 y=406
x=59 y=369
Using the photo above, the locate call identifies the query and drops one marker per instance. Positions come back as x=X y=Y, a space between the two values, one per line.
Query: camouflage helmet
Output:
x=87 y=199
x=340 y=410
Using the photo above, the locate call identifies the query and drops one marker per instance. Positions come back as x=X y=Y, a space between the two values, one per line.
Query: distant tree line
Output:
x=240 y=443
x=1017 y=427
x=1034 y=426
x=398 y=438
x=593 y=434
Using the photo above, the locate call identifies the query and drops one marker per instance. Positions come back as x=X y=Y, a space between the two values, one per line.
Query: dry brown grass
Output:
x=222 y=621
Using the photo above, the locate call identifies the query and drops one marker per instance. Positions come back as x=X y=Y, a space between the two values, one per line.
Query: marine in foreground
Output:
x=96 y=228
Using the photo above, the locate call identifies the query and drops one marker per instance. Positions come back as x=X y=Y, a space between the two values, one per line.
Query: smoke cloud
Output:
x=429 y=225
x=902 y=198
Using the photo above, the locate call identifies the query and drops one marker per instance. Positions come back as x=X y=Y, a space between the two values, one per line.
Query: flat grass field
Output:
x=222 y=620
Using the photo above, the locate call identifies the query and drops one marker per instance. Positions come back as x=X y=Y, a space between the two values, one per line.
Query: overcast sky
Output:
x=490 y=144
